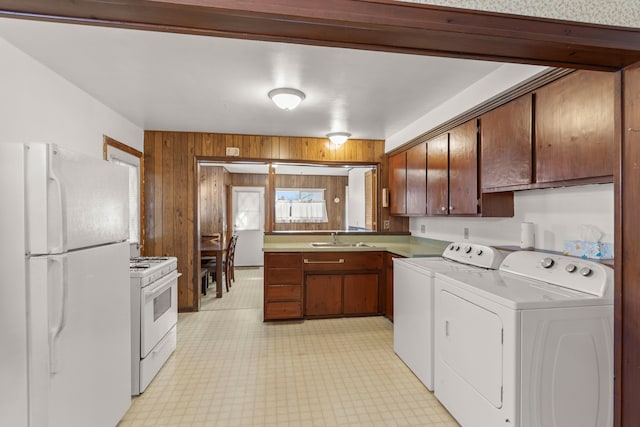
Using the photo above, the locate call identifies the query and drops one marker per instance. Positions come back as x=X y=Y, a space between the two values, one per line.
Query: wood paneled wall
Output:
x=212 y=201
x=334 y=185
x=171 y=186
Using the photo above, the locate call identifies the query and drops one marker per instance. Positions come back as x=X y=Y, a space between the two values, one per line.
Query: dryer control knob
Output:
x=467 y=249
x=547 y=262
x=586 y=271
x=570 y=268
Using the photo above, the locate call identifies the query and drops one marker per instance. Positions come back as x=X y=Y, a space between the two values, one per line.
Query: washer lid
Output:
x=518 y=292
x=430 y=266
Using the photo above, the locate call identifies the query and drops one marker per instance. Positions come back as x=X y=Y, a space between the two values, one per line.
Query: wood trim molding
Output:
x=361 y=24
x=110 y=142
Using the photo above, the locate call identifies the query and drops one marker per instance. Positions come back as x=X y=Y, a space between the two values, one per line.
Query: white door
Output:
x=248 y=224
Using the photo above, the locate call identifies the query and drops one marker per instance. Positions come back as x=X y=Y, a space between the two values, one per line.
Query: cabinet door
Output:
x=575 y=126
x=323 y=295
x=417 y=180
x=398 y=184
x=361 y=294
x=388 y=286
x=438 y=175
x=506 y=144
x=463 y=169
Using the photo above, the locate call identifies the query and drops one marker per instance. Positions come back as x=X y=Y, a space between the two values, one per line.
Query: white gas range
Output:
x=154 y=315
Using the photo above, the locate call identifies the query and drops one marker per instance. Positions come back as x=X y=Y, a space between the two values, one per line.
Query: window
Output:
x=300 y=205
x=132 y=159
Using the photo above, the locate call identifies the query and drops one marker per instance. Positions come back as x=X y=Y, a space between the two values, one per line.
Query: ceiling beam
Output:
x=362 y=24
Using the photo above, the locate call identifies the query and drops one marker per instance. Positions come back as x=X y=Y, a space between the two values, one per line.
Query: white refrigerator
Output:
x=65 y=357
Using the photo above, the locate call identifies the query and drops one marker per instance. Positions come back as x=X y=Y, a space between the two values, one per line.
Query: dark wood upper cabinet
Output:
x=398 y=183
x=575 y=127
x=438 y=175
x=506 y=147
x=463 y=169
x=417 y=180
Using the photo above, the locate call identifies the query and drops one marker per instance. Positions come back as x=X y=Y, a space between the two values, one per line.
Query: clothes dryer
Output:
x=530 y=345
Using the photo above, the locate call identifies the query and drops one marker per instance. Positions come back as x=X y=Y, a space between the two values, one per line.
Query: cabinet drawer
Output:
x=283 y=276
x=284 y=292
x=342 y=261
x=283 y=310
x=284 y=259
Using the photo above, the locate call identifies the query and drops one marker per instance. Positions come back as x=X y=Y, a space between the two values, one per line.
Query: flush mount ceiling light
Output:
x=286 y=98
x=338 y=138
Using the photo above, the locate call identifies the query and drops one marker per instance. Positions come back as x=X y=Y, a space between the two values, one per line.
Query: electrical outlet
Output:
x=386 y=224
x=423 y=228
x=466 y=233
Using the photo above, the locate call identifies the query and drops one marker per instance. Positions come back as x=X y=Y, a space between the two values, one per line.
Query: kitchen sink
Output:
x=341 y=245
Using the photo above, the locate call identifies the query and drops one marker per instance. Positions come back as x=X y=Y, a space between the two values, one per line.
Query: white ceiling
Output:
x=163 y=81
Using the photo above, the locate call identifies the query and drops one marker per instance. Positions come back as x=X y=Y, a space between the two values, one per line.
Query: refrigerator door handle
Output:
x=62 y=214
x=55 y=330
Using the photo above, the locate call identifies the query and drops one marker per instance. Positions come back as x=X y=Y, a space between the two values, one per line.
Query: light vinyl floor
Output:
x=232 y=369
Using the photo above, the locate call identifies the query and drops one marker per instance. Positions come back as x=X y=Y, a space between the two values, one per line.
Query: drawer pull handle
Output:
x=340 y=261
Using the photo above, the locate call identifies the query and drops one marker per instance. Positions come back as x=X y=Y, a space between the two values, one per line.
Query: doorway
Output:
x=247 y=221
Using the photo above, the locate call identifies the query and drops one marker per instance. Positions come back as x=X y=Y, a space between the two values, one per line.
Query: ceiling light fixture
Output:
x=338 y=138
x=286 y=98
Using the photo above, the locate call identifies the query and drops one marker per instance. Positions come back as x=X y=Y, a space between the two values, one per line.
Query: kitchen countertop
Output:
x=403 y=245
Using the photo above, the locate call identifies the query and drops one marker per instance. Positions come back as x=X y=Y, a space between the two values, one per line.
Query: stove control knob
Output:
x=547 y=262
x=457 y=247
x=586 y=271
x=570 y=268
x=479 y=252
x=452 y=247
x=467 y=249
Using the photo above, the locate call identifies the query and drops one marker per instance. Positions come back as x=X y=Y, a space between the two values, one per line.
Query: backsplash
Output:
x=625 y=13
x=557 y=214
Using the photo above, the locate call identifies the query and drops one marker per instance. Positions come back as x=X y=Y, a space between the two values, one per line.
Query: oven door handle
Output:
x=162 y=285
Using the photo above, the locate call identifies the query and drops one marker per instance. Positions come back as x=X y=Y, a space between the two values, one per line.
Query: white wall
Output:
x=37 y=105
x=557 y=214
x=499 y=81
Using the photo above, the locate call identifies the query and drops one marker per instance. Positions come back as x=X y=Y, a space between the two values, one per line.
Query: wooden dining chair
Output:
x=227 y=263
x=208 y=264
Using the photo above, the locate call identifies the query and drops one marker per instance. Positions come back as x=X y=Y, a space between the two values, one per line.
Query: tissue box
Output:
x=585 y=249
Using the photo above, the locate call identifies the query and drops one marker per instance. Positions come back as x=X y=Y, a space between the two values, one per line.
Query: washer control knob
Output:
x=467 y=249
x=586 y=271
x=570 y=268
x=547 y=262
x=479 y=252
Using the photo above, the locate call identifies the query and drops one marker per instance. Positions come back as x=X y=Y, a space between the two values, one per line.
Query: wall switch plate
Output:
x=423 y=228
x=466 y=232
x=386 y=224
x=233 y=151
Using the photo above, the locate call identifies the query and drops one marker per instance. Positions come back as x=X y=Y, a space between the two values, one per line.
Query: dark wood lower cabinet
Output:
x=282 y=286
x=360 y=294
x=388 y=286
x=335 y=295
x=342 y=284
x=323 y=295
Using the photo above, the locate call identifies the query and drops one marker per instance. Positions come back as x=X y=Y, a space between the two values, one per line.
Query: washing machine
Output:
x=529 y=345
x=413 y=290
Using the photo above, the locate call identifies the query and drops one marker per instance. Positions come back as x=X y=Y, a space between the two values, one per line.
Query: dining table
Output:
x=214 y=248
